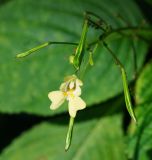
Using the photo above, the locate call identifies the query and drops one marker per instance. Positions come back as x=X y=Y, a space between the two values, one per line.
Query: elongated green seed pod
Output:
x=24 y=54
x=127 y=95
x=27 y=53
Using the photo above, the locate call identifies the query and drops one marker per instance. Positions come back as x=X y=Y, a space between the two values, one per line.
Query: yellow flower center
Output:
x=69 y=93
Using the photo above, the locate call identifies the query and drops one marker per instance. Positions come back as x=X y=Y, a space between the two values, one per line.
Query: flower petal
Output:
x=70 y=78
x=75 y=104
x=63 y=87
x=79 y=82
x=77 y=91
x=57 y=98
x=71 y=85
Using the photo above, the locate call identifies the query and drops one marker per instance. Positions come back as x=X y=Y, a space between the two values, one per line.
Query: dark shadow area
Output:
x=13 y=125
x=148 y=56
x=4 y=1
x=126 y=120
x=149 y=153
x=146 y=9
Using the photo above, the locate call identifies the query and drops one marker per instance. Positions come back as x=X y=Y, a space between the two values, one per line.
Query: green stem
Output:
x=69 y=134
x=80 y=48
x=90 y=61
x=117 y=61
x=125 y=83
x=24 y=54
x=134 y=59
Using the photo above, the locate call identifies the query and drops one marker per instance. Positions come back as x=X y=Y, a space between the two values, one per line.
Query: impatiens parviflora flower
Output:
x=69 y=90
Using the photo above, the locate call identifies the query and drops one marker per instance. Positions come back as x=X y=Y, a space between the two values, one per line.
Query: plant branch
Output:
x=125 y=83
x=26 y=53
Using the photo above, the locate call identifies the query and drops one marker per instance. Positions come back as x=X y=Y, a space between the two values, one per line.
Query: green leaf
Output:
x=140 y=142
x=24 y=84
x=143 y=85
x=91 y=140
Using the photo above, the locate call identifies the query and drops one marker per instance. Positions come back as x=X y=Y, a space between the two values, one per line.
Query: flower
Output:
x=69 y=90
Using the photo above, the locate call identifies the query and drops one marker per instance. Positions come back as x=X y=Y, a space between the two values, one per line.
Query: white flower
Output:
x=69 y=90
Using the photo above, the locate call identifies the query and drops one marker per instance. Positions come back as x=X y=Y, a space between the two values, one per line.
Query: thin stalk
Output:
x=69 y=134
x=134 y=59
x=125 y=83
x=80 y=48
x=27 y=53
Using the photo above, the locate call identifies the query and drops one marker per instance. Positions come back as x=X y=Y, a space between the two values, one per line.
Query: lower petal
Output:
x=76 y=104
x=57 y=98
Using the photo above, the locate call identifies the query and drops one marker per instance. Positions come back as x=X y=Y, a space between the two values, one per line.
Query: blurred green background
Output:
x=28 y=128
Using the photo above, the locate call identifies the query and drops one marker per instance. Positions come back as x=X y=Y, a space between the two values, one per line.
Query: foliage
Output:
x=25 y=83
x=140 y=140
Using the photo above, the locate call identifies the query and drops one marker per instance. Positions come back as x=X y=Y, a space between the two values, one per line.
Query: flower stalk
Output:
x=69 y=134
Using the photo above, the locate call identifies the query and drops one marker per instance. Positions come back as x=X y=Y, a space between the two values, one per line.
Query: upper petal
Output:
x=75 y=104
x=63 y=87
x=71 y=85
x=70 y=78
x=77 y=91
x=57 y=98
x=79 y=82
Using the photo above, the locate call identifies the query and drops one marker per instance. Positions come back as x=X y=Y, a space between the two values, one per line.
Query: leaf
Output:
x=144 y=86
x=140 y=142
x=91 y=140
x=24 y=84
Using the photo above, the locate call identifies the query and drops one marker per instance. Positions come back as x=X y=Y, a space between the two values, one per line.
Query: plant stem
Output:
x=69 y=134
x=26 y=53
x=125 y=83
